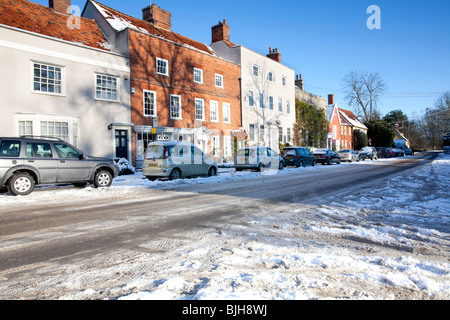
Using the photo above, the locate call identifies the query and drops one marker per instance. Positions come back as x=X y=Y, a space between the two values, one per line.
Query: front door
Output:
x=122 y=144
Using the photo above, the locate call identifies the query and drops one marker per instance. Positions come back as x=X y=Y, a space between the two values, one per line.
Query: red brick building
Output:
x=180 y=89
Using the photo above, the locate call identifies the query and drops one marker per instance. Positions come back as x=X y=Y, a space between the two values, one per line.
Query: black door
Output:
x=122 y=144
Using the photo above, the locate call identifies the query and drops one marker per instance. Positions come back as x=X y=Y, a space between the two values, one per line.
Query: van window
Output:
x=10 y=148
x=155 y=151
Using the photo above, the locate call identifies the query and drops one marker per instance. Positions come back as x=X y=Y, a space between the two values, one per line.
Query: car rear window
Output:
x=10 y=148
x=320 y=151
x=155 y=151
x=290 y=152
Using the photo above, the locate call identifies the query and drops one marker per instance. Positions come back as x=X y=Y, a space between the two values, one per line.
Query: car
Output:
x=29 y=161
x=348 y=155
x=174 y=160
x=397 y=152
x=257 y=158
x=383 y=152
x=368 y=153
x=326 y=156
x=298 y=157
x=408 y=152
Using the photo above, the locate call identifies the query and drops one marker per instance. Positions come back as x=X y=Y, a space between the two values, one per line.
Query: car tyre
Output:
x=212 y=172
x=103 y=179
x=175 y=174
x=21 y=184
x=281 y=166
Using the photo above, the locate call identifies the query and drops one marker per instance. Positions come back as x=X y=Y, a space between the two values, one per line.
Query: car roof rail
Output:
x=42 y=137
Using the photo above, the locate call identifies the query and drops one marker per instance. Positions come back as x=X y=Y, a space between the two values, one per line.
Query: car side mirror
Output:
x=81 y=156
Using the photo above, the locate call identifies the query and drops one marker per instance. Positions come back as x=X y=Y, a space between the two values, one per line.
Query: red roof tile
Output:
x=29 y=16
x=120 y=21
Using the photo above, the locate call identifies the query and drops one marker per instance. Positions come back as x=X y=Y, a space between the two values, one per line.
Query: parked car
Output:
x=298 y=157
x=408 y=152
x=26 y=162
x=327 y=156
x=257 y=158
x=383 y=152
x=348 y=155
x=397 y=152
x=368 y=153
x=173 y=160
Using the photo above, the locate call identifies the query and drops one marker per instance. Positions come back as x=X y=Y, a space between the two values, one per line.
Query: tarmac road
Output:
x=32 y=235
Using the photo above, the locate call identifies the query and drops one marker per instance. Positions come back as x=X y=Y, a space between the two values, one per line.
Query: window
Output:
x=226 y=113
x=280 y=134
x=149 y=103
x=214 y=111
x=219 y=80
x=271 y=103
x=198 y=75
x=251 y=132
x=25 y=128
x=10 y=148
x=270 y=77
x=288 y=106
x=255 y=71
x=66 y=152
x=280 y=104
x=47 y=79
x=261 y=133
x=215 y=146
x=288 y=135
x=227 y=146
x=162 y=67
x=175 y=107
x=283 y=81
x=55 y=129
x=251 y=99
x=199 y=109
x=39 y=150
x=261 y=100
x=106 y=88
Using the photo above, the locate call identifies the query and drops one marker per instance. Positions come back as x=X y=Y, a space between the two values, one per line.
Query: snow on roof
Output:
x=351 y=118
x=120 y=21
x=39 y=19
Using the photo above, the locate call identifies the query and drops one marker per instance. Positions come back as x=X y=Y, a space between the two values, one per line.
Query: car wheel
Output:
x=212 y=172
x=21 y=184
x=103 y=179
x=314 y=163
x=281 y=166
x=260 y=166
x=175 y=174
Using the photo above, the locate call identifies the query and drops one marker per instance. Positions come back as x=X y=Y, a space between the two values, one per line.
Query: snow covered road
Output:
x=196 y=239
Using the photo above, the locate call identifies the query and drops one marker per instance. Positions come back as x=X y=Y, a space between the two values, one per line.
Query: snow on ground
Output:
x=388 y=241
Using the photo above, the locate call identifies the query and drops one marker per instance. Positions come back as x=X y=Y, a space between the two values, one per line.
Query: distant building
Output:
x=318 y=102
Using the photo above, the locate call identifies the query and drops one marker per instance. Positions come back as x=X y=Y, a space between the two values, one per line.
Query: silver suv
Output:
x=26 y=162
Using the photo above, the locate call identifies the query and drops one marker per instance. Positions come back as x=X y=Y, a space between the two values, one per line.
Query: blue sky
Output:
x=323 y=40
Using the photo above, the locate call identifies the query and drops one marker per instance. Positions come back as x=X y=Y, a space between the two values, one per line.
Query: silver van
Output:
x=173 y=160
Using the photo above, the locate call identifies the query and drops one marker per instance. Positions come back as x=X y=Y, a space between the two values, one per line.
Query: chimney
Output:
x=158 y=17
x=274 y=54
x=221 y=32
x=299 y=82
x=330 y=99
x=59 y=5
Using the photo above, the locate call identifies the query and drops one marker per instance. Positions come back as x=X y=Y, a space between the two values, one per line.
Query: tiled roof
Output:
x=120 y=21
x=352 y=119
x=29 y=16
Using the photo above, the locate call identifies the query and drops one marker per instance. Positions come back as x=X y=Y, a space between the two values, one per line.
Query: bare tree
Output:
x=363 y=92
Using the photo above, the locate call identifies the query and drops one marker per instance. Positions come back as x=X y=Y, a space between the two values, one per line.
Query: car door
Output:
x=10 y=155
x=200 y=167
x=72 y=166
x=273 y=158
x=40 y=156
x=309 y=157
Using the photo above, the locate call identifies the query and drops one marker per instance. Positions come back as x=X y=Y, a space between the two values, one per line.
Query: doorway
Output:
x=122 y=144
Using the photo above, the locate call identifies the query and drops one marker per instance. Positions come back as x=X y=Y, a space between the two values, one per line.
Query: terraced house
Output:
x=180 y=89
x=60 y=78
